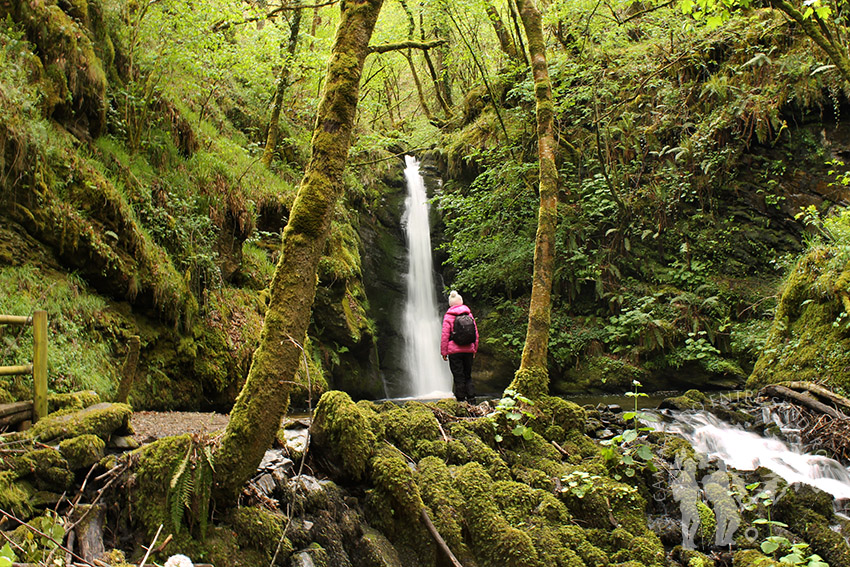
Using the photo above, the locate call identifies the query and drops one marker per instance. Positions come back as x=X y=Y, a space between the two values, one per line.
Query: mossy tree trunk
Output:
x=506 y=42
x=264 y=398
x=532 y=378
x=282 y=83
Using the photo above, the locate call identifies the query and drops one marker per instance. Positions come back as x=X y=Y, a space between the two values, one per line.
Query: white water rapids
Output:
x=745 y=450
x=428 y=374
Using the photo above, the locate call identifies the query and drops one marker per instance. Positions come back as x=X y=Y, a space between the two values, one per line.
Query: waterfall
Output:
x=745 y=450
x=428 y=374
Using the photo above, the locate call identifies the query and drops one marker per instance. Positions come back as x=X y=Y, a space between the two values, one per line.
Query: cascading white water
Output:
x=428 y=374
x=744 y=450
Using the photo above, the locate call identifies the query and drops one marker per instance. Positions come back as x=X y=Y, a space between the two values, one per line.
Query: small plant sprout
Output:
x=514 y=406
x=625 y=441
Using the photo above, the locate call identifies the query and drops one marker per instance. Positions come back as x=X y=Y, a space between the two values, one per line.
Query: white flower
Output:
x=178 y=561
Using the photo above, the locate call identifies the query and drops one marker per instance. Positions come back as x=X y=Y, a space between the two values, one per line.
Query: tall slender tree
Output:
x=265 y=397
x=282 y=83
x=532 y=378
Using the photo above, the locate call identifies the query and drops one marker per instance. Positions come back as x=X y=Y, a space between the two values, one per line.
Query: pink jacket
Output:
x=448 y=346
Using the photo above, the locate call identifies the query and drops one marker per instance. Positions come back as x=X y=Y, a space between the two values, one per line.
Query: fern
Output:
x=178 y=491
x=191 y=488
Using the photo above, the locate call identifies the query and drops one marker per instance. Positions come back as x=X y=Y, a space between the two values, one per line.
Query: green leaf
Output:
x=629 y=435
x=644 y=452
x=630 y=472
x=629 y=415
x=518 y=430
x=528 y=434
x=513 y=416
x=769 y=546
x=499 y=438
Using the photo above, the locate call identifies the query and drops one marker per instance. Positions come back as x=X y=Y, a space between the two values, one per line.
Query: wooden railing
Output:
x=38 y=368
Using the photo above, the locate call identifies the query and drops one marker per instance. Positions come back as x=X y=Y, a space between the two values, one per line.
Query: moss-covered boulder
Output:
x=809 y=339
x=690 y=400
x=15 y=495
x=72 y=400
x=494 y=540
x=262 y=530
x=100 y=419
x=752 y=558
x=49 y=469
x=341 y=433
x=82 y=451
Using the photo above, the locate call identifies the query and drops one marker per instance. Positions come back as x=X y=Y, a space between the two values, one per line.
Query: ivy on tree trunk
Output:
x=532 y=378
x=264 y=399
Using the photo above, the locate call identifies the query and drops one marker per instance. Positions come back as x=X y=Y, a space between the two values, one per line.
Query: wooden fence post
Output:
x=39 y=364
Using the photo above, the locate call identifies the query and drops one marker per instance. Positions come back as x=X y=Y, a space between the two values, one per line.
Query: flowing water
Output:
x=429 y=375
x=745 y=450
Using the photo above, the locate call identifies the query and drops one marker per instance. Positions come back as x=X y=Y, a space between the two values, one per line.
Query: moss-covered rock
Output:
x=262 y=530
x=752 y=558
x=49 y=469
x=341 y=432
x=494 y=541
x=373 y=549
x=808 y=340
x=148 y=497
x=100 y=419
x=72 y=400
x=82 y=451
x=15 y=495
x=412 y=429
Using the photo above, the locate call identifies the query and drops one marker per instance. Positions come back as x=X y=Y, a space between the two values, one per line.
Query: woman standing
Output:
x=459 y=344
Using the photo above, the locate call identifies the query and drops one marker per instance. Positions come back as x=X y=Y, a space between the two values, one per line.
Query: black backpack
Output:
x=463 y=329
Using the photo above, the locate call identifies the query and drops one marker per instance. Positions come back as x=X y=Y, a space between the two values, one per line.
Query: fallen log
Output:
x=16 y=418
x=17 y=407
x=819 y=391
x=805 y=400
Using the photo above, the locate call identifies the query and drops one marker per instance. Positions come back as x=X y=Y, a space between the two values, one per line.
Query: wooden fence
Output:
x=38 y=368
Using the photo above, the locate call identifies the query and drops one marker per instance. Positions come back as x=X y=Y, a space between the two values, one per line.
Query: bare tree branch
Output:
x=408 y=44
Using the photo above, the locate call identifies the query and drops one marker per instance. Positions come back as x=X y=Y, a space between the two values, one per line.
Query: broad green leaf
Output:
x=769 y=546
x=644 y=452
x=629 y=435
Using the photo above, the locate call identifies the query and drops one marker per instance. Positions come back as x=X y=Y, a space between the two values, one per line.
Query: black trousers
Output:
x=461 y=366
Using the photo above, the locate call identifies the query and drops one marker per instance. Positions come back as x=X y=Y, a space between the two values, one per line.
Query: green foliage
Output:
x=190 y=489
x=7 y=556
x=40 y=539
x=512 y=413
x=632 y=456
x=80 y=327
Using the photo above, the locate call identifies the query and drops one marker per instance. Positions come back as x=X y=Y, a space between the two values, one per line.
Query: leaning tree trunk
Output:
x=264 y=398
x=532 y=378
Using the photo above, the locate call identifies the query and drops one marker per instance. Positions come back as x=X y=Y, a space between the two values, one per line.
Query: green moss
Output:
x=601 y=372
x=494 y=541
x=445 y=503
x=341 y=431
x=101 y=419
x=392 y=476
x=48 y=468
x=478 y=451
x=83 y=451
x=155 y=465
x=73 y=400
x=752 y=558
x=262 y=530
x=15 y=496
x=409 y=426
x=565 y=414
x=707 y=522
x=809 y=339
x=375 y=550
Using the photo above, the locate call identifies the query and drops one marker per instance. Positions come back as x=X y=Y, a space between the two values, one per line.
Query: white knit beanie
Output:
x=455 y=299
